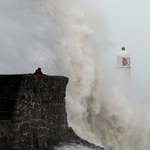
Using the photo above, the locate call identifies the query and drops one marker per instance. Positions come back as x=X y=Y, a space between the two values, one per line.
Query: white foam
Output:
x=68 y=38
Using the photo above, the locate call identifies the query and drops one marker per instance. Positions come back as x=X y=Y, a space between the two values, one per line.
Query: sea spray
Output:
x=68 y=38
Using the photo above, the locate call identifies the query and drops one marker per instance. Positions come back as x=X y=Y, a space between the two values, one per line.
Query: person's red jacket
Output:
x=38 y=72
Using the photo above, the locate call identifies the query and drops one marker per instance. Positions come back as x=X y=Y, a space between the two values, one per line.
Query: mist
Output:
x=69 y=38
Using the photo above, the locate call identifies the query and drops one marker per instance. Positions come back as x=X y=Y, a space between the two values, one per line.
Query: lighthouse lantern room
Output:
x=123 y=59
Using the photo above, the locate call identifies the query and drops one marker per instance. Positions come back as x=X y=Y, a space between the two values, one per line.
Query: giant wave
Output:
x=68 y=38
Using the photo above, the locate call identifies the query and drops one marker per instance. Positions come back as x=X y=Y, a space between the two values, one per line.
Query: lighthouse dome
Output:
x=123 y=53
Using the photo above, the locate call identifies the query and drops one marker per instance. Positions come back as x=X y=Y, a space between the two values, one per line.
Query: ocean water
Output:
x=69 y=38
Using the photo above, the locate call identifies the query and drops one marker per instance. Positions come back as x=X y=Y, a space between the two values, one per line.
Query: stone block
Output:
x=41 y=142
x=24 y=127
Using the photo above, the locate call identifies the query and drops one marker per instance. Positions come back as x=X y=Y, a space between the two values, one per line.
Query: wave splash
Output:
x=68 y=38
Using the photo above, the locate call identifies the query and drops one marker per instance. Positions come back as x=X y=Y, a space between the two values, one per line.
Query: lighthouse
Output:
x=123 y=63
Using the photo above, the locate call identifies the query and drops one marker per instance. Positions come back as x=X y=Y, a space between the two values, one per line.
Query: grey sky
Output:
x=129 y=26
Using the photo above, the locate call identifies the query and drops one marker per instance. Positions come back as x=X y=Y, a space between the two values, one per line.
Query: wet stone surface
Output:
x=33 y=114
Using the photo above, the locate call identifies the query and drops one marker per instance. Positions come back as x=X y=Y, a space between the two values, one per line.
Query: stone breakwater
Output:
x=33 y=114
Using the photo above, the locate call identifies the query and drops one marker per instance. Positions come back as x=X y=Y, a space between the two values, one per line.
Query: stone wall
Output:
x=32 y=111
x=33 y=114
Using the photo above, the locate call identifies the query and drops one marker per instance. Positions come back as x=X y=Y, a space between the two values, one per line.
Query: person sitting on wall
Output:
x=38 y=72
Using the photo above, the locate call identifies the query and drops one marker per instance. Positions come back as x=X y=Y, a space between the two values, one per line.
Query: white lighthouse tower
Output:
x=123 y=63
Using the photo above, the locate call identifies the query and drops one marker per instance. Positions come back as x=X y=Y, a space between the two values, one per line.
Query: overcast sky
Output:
x=129 y=26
